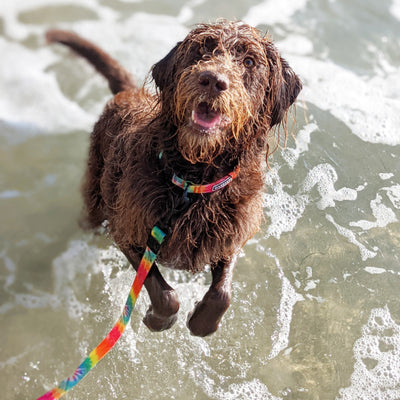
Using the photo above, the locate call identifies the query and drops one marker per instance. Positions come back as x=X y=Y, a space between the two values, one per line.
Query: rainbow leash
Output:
x=156 y=238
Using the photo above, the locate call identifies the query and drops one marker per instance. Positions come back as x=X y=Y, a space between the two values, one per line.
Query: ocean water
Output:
x=316 y=294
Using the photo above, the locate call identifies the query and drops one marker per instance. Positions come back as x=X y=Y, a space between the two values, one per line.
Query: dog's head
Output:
x=223 y=86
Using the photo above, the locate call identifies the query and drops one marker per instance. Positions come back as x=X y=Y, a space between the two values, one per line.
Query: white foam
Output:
x=385 y=176
x=273 y=12
x=395 y=8
x=280 y=337
x=73 y=268
x=375 y=270
x=33 y=97
x=187 y=12
x=37 y=300
x=310 y=283
x=324 y=176
x=14 y=28
x=143 y=31
x=296 y=44
x=383 y=215
x=370 y=107
x=33 y=299
x=303 y=138
x=249 y=390
x=284 y=209
x=351 y=237
x=376 y=373
x=289 y=298
x=11 y=269
x=78 y=264
x=393 y=193
x=35 y=103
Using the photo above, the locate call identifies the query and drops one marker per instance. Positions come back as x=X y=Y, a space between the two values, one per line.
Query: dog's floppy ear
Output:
x=284 y=85
x=164 y=70
x=287 y=91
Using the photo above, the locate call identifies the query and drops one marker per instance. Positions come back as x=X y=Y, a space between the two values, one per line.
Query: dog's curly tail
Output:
x=119 y=79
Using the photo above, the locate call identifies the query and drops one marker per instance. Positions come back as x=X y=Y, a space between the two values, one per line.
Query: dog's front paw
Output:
x=207 y=314
x=156 y=322
x=163 y=313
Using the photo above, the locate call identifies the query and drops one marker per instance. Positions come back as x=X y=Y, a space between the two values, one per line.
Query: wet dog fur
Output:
x=219 y=95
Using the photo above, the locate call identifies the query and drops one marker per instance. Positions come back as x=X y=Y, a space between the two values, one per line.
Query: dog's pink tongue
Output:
x=206 y=117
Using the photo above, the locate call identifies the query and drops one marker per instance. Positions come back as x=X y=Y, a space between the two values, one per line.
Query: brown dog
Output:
x=220 y=91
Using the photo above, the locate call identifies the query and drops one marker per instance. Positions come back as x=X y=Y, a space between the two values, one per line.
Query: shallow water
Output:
x=315 y=311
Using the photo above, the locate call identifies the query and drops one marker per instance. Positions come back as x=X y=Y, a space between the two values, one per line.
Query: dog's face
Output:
x=224 y=84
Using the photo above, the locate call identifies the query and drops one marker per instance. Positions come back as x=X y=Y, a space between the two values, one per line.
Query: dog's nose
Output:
x=214 y=80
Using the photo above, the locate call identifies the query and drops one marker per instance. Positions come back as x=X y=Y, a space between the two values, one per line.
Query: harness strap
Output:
x=155 y=240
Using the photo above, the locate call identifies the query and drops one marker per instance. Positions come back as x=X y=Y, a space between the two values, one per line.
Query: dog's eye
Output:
x=248 y=62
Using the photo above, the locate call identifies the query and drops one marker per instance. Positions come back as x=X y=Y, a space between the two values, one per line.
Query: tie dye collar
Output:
x=190 y=187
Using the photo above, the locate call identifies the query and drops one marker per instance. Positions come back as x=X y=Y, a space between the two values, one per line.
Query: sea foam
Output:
x=376 y=373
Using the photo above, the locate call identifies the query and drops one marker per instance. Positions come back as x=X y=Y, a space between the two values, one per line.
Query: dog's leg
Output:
x=207 y=314
x=162 y=313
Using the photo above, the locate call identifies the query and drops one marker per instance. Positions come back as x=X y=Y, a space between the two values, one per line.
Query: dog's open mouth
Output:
x=206 y=119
